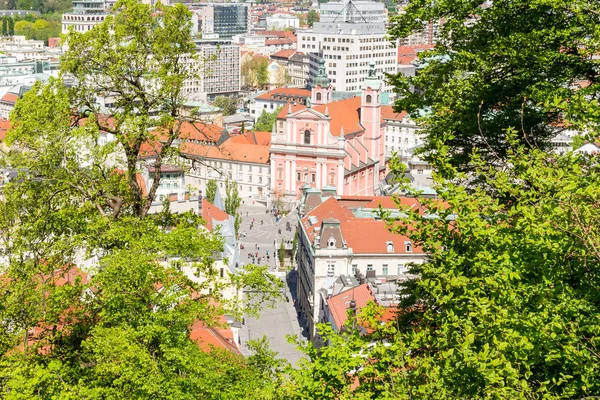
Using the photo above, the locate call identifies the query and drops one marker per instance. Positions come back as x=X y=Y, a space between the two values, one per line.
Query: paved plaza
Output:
x=277 y=322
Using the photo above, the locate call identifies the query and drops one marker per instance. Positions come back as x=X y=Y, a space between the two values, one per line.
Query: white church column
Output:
x=273 y=174
x=288 y=177
x=324 y=174
x=318 y=181
x=293 y=184
x=340 y=178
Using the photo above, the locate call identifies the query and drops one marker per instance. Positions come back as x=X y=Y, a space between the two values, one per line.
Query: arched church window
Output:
x=318 y=96
x=307 y=137
x=368 y=99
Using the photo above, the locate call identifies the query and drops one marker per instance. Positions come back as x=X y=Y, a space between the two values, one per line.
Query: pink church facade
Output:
x=331 y=145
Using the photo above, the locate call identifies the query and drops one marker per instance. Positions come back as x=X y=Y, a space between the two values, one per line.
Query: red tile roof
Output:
x=363 y=235
x=286 y=53
x=10 y=98
x=210 y=212
x=344 y=113
x=338 y=304
x=230 y=150
x=387 y=202
x=276 y=42
x=387 y=112
x=288 y=92
x=407 y=54
x=210 y=337
x=4 y=126
x=252 y=137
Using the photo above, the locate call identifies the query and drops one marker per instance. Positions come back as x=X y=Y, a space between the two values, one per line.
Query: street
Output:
x=277 y=322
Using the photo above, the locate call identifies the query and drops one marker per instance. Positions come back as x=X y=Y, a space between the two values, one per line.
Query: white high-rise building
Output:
x=349 y=36
x=85 y=14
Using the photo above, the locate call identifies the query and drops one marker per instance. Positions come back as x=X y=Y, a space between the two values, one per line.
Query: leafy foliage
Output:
x=311 y=17
x=232 y=202
x=254 y=71
x=211 y=190
x=266 y=120
x=513 y=64
x=121 y=329
x=227 y=105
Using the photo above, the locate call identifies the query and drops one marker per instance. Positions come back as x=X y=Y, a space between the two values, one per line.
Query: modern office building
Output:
x=85 y=15
x=349 y=36
x=222 y=20
x=217 y=69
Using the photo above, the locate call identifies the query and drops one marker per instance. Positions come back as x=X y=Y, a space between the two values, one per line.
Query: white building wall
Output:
x=401 y=135
x=347 y=57
x=253 y=179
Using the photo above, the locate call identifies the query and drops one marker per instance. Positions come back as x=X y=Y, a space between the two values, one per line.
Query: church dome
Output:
x=321 y=79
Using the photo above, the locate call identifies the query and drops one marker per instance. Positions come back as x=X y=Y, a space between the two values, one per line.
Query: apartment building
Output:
x=350 y=35
x=217 y=69
x=344 y=236
x=85 y=15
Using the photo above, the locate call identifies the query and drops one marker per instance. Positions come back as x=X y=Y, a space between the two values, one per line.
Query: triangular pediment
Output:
x=307 y=113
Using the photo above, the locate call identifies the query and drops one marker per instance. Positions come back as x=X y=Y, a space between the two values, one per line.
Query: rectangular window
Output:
x=400 y=269
x=369 y=267
x=354 y=268
x=384 y=269
x=330 y=270
x=298 y=176
x=260 y=179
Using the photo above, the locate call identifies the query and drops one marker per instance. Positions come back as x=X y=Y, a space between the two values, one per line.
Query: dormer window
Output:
x=390 y=246
x=331 y=242
x=369 y=99
x=408 y=247
x=307 y=137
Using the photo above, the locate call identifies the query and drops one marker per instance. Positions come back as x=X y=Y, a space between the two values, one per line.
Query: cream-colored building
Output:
x=344 y=236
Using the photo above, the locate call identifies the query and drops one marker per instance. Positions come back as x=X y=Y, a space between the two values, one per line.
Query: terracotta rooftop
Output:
x=252 y=137
x=10 y=98
x=279 y=94
x=387 y=112
x=407 y=54
x=286 y=53
x=230 y=150
x=210 y=337
x=210 y=213
x=343 y=113
x=364 y=235
x=4 y=126
x=339 y=304
x=276 y=42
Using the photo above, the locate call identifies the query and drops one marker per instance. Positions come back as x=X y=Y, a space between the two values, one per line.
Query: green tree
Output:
x=122 y=328
x=311 y=17
x=232 y=202
x=149 y=90
x=254 y=71
x=4 y=26
x=227 y=105
x=512 y=64
x=265 y=121
x=11 y=26
x=281 y=253
x=211 y=190
x=504 y=307
x=578 y=141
